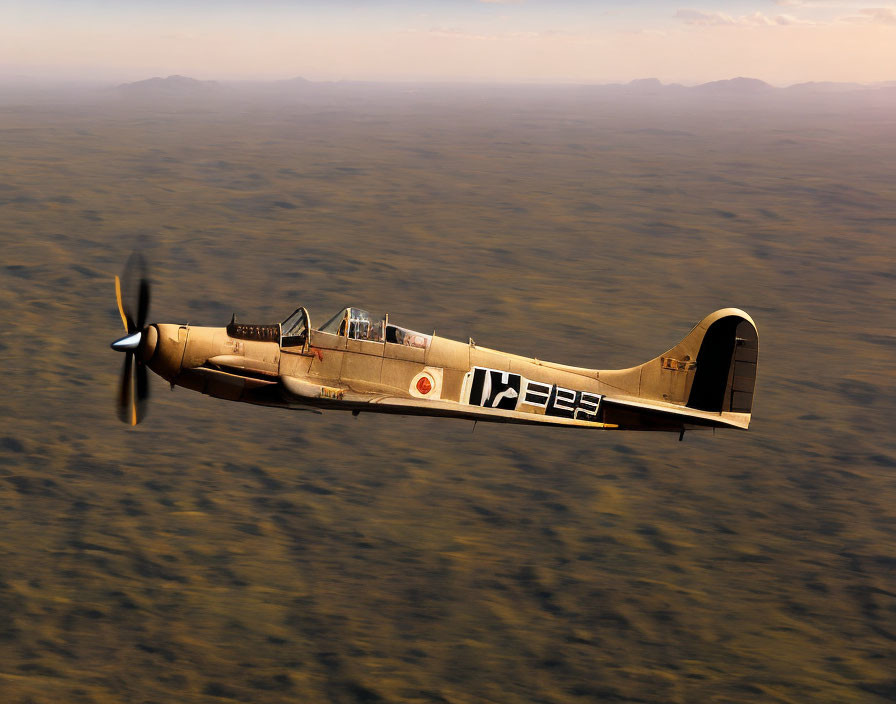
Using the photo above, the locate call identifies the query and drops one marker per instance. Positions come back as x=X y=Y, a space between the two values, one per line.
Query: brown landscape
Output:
x=221 y=552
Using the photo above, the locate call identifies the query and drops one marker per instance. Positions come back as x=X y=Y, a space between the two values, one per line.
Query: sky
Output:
x=570 y=41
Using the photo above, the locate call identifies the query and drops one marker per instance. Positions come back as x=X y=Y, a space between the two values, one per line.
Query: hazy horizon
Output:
x=782 y=42
x=50 y=81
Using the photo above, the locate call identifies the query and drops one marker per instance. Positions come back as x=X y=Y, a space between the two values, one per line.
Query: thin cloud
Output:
x=457 y=33
x=879 y=15
x=704 y=19
x=844 y=5
x=836 y=4
x=699 y=18
x=834 y=12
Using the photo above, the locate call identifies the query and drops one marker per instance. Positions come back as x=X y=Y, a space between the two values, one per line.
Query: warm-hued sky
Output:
x=689 y=41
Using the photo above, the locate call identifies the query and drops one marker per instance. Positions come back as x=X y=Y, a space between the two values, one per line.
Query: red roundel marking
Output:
x=424 y=385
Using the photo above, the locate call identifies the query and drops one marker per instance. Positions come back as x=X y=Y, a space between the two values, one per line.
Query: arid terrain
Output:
x=220 y=552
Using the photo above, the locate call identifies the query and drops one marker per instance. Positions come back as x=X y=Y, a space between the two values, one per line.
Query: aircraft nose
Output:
x=142 y=343
x=166 y=349
x=149 y=343
x=128 y=343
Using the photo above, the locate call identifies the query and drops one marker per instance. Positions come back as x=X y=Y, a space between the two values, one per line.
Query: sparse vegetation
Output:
x=226 y=553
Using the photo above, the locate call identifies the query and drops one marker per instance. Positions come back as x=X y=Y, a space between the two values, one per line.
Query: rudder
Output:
x=725 y=376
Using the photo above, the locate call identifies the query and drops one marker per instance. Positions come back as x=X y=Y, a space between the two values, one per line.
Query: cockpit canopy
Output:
x=358 y=324
x=354 y=323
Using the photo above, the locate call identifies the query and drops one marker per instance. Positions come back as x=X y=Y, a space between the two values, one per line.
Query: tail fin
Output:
x=713 y=369
x=726 y=364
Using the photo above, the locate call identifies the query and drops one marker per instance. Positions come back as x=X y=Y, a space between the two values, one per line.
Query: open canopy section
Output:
x=294 y=330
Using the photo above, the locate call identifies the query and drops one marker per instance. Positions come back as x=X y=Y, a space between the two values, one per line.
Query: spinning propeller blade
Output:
x=132 y=295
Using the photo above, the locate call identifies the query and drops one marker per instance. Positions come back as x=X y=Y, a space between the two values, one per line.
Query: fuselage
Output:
x=377 y=367
x=209 y=360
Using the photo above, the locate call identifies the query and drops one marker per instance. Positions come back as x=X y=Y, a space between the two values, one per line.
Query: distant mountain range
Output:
x=747 y=86
x=174 y=86
x=737 y=85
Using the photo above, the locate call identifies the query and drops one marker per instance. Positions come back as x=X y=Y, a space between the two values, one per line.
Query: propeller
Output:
x=132 y=294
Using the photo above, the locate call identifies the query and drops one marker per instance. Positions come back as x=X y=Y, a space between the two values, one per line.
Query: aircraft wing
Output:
x=646 y=413
x=451 y=409
x=304 y=392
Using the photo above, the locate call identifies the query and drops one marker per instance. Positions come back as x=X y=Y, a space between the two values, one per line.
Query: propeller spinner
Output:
x=132 y=294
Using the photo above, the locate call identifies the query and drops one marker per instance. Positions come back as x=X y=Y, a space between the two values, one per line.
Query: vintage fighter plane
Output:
x=359 y=362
